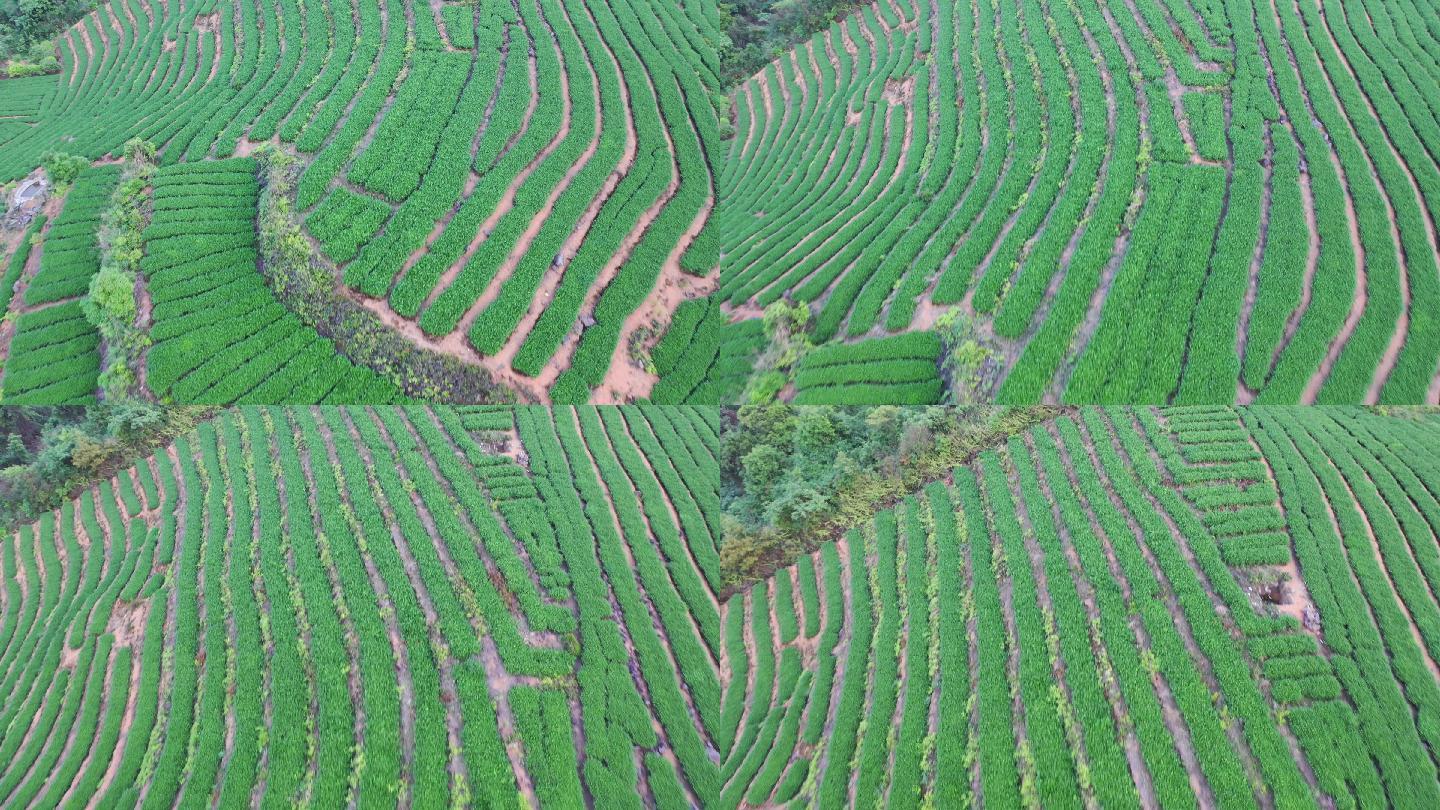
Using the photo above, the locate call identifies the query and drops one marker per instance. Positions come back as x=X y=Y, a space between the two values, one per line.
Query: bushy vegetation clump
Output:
x=46 y=453
x=792 y=477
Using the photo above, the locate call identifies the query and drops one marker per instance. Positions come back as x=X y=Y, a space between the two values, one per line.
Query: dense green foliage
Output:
x=111 y=303
x=49 y=451
x=760 y=29
x=26 y=24
x=792 y=476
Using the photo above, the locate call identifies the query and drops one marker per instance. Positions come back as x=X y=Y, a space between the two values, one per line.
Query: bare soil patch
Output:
x=900 y=91
x=625 y=380
x=127 y=623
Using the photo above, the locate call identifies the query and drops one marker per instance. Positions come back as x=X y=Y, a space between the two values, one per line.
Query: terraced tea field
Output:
x=1135 y=202
x=702 y=359
x=480 y=605
x=52 y=352
x=521 y=185
x=20 y=107
x=265 y=611
x=219 y=335
x=1081 y=619
x=898 y=370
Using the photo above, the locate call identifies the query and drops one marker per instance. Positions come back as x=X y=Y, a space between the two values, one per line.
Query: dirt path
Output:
x=337 y=591
x=1397 y=339
x=1299 y=605
x=764 y=129
x=616 y=615
x=456 y=344
x=227 y=597
x=749 y=222
x=205 y=590
x=499 y=682
x=8 y=319
x=1025 y=765
x=291 y=564
x=102 y=32
x=751 y=246
x=67 y=66
x=127 y=720
x=1205 y=666
x=1361 y=298
x=507 y=268
x=169 y=632
x=403 y=546
x=741 y=146
x=515 y=452
x=455 y=767
x=73 y=738
x=779 y=172
x=472 y=177
x=1035 y=558
x=749 y=708
x=1243 y=394
x=840 y=652
x=506 y=202
x=453 y=344
x=624 y=381
x=1090 y=324
x=1296 y=606
x=554 y=276
x=1349 y=567
x=830 y=230
x=502 y=586
x=972 y=637
x=1047 y=301
x=1011 y=349
x=1001 y=96
x=1312 y=261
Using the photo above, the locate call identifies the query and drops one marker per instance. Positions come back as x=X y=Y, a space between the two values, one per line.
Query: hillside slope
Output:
x=1090 y=617
x=521 y=185
x=434 y=606
x=342 y=605
x=1246 y=188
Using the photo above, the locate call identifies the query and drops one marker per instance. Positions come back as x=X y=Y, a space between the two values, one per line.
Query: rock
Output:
x=27 y=200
